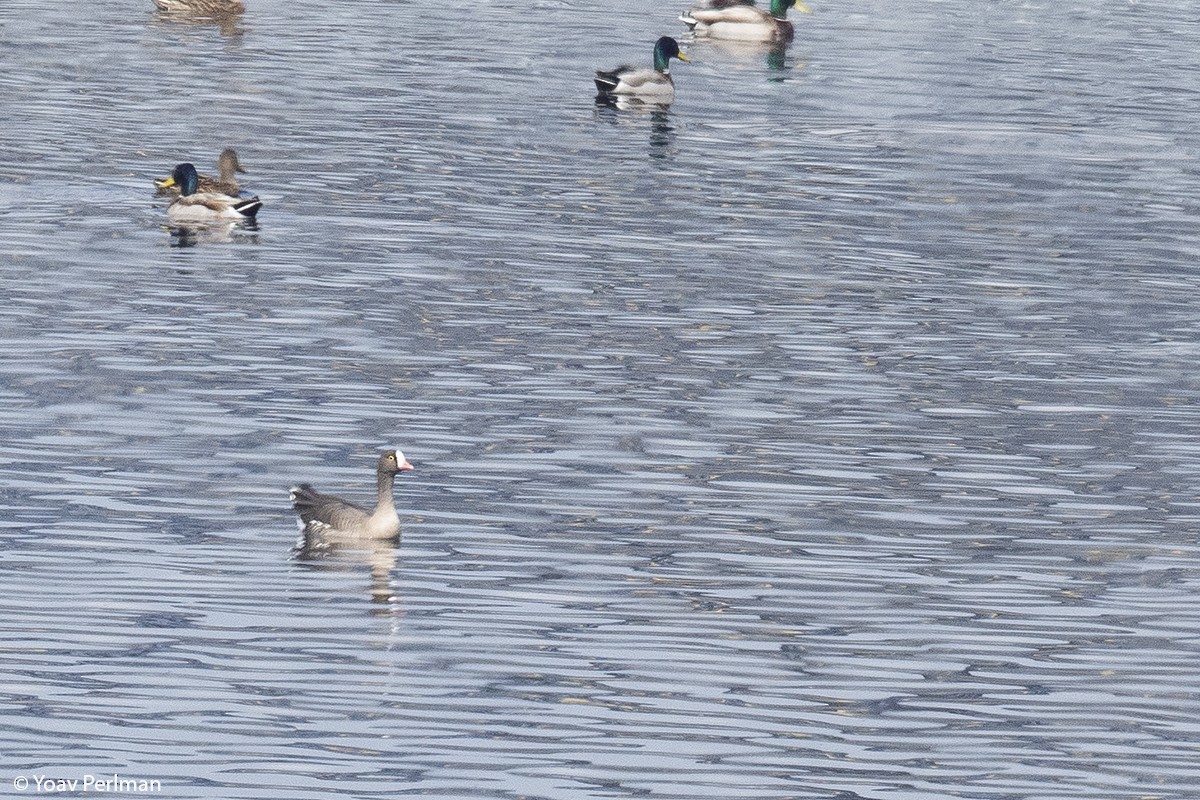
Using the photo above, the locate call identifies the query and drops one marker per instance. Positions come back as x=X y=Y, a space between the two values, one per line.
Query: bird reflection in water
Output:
x=615 y=111
x=777 y=59
x=662 y=134
x=747 y=54
x=190 y=235
x=330 y=554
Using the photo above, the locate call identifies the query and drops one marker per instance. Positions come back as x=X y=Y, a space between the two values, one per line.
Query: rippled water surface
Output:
x=830 y=434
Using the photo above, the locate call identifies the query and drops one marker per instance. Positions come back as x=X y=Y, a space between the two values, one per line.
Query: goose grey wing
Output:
x=320 y=512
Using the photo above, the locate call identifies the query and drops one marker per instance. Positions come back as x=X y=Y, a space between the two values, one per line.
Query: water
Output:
x=830 y=434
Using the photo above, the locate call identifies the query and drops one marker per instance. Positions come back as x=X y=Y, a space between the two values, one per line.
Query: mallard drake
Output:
x=225 y=183
x=649 y=84
x=195 y=206
x=326 y=515
x=215 y=8
x=745 y=22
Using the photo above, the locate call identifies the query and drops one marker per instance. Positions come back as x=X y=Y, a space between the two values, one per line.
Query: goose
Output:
x=641 y=82
x=225 y=183
x=326 y=515
x=199 y=207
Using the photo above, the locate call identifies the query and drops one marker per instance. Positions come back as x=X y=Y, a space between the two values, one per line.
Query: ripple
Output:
x=830 y=434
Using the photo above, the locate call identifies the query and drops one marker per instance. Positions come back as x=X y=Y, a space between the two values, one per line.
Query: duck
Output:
x=214 y=8
x=195 y=206
x=745 y=22
x=225 y=183
x=640 y=82
x=323 y=515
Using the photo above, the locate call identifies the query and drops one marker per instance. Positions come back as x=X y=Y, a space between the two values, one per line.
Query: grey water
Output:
x=829 y=434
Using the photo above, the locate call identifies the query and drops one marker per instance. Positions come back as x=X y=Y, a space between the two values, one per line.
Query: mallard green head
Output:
x=185 y=177
x=665 y=49
x=779 y=8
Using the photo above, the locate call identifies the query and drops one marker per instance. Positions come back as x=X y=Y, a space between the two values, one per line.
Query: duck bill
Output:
x=164 y=183
x=682 y=57
x=405 y=467
x=803 y=9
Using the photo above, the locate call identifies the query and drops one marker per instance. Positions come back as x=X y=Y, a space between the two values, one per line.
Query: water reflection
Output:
x=662 y=131
x=226 y=21
x=334 y=554
x=746 y=54
x=630 y=103
x=662 y=134
x=191 y=235
x=889 y=491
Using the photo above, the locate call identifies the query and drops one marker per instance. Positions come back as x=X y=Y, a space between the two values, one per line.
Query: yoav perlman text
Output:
x=88 y=783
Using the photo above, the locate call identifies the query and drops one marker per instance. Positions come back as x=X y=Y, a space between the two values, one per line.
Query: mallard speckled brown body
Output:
x=225 y=183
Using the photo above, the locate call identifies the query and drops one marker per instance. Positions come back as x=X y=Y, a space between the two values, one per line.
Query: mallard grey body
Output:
x=744 y=22
x=641 y=82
